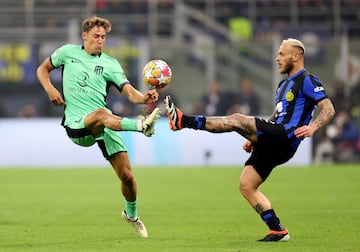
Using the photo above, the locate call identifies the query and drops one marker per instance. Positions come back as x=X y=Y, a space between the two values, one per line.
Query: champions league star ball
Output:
x=156 y=74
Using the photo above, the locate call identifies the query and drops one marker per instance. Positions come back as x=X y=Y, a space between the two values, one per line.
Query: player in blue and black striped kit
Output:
x=273 y=141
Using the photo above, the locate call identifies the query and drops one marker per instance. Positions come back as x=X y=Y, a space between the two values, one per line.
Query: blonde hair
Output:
x=295 y=43
x=93 y=21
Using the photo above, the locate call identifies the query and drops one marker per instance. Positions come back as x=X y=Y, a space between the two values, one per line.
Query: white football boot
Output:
x=148 y=123
x=139 y=227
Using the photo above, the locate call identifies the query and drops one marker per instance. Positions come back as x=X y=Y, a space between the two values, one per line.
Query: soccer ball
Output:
x=157 y=74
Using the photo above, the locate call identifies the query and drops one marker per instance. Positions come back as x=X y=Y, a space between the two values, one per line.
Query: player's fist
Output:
x=248 y=146
x=151 y=96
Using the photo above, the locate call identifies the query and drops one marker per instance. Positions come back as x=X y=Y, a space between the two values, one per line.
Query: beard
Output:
x=287 y=67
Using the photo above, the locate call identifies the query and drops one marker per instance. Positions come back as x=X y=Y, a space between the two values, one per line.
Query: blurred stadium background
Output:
x=202 y=40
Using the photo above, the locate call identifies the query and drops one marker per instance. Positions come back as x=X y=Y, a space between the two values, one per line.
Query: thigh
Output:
x=276 y=131
x=272 y=149
x=250 y=177
x=100 y=119
x=93 y=123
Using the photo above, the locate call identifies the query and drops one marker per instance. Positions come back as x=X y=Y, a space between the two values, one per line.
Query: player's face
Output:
x=94 y=40
x=285 y=59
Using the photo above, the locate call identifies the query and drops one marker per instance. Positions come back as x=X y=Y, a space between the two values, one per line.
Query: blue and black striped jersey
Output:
x=296 y=99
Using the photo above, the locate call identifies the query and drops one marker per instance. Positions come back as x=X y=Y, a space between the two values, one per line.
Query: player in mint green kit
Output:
x=87 y=76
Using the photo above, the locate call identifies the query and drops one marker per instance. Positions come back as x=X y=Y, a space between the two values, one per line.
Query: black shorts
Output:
x=273 y=148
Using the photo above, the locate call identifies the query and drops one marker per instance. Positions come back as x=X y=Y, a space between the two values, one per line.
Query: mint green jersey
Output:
x=86 y=79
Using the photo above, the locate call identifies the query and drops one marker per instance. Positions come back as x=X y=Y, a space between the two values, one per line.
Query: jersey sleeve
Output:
x=118 y=76
x=313 y=88
x=57 y=58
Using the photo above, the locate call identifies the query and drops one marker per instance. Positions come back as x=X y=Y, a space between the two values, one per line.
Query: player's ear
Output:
x=84 y=36
x=295 y=57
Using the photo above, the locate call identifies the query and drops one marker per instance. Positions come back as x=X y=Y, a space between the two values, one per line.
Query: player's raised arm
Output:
x=43 y=74
x=135 y=96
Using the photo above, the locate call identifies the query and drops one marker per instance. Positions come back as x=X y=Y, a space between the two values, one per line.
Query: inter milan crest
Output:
x=98 y=70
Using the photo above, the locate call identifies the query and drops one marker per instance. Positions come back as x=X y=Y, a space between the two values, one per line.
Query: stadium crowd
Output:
x=264 y=13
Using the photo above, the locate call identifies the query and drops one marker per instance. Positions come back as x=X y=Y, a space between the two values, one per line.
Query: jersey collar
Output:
x=296 y=74
x=83 y=48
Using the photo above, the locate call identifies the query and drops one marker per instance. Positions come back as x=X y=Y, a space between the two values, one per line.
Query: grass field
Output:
x=184 y=209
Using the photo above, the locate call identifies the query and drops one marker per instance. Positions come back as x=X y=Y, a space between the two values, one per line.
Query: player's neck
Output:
x=91 y=53
x=295 y=70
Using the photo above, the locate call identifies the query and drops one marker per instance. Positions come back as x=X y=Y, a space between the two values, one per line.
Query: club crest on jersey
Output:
x=289 y=96
x=98 y=70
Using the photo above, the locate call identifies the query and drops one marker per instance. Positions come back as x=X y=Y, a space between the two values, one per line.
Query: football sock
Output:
x=130 y=124
x=193 y=122
x=270 y=219
x=131 y=209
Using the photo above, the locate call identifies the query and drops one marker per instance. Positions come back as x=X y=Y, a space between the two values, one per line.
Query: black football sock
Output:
x=270 y=219
x=193 y=122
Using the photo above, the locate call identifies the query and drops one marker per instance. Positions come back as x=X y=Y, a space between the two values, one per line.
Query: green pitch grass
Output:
x=184 y=209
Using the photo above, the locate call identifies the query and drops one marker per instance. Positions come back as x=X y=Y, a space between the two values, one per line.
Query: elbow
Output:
x=329 y=108
x=38 y=71
x=332 y=110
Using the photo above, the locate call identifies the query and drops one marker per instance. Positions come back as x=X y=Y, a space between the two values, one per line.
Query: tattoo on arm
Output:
x=272 y=117
x=259 y=208
x=326 y=113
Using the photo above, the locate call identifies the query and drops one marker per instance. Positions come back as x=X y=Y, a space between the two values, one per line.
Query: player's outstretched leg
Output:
x=174 y=114
x=139 y=227
x=149 y=122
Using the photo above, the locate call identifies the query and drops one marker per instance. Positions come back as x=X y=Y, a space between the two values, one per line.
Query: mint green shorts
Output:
x=110 y=141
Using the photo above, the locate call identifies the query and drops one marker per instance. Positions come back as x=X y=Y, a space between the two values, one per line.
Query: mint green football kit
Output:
x=86 y=81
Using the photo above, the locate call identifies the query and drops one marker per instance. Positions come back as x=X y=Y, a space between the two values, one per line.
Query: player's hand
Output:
x=151 y=96
x=248 y=146
x=304 y=131
x=55 y=97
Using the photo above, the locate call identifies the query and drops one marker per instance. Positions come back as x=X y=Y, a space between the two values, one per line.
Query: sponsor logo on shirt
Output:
x=82 y=79
x=318 y=89
x=289 y=96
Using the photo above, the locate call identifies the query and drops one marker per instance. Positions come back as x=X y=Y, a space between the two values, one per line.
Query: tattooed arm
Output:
x=272 y=117
x=324 y=116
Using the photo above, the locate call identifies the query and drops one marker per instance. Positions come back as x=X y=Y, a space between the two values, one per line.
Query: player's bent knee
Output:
x=245 y=188
x=126 y=177
x=101 y=116
x=241 y=117
x=100 y=112
x=236 y=115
